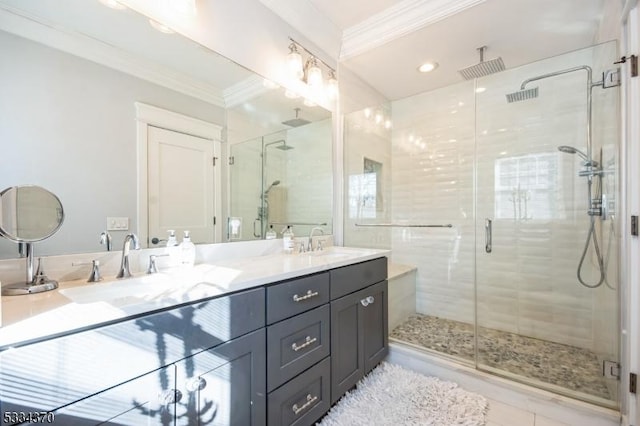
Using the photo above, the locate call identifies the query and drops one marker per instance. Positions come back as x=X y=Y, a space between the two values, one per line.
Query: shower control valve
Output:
x=596 y=207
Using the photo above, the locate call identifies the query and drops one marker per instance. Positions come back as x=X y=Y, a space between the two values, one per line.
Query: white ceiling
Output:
x=519 y=31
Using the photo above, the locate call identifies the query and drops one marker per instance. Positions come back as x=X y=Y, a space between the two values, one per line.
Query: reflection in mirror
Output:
x=76 y=122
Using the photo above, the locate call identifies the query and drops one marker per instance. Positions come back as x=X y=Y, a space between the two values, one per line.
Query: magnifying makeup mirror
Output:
x=29 y=214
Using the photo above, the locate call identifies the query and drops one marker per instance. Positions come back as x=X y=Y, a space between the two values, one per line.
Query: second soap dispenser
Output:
x=187 y=250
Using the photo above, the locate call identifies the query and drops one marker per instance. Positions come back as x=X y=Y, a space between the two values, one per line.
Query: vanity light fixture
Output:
x=312 y=73
x=294 y=62
x=428 y=67
x=332 y=85
x=113 y=4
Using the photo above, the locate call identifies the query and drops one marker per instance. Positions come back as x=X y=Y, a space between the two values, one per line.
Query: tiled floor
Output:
x=570 y=367
x=505 y=415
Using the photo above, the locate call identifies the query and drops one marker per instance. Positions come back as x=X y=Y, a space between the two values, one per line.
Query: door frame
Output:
x=149 y=115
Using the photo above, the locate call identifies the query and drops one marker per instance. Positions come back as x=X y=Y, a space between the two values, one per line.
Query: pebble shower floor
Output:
x=566 y=366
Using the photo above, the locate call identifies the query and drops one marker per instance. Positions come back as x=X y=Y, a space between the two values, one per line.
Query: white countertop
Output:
x=78 y=305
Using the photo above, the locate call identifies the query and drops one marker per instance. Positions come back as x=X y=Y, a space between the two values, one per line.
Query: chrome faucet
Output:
x=310 y=242
x=124 y=263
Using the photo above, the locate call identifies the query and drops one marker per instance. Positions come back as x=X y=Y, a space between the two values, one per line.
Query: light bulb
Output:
x=387 y=124
x=186 y=8
x=314 y=73
x=379 y=118
x=332 y=86
x=367 y=112
x=294 y=62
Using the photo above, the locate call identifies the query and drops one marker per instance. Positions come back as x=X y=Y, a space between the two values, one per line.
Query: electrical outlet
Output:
x=117 y=223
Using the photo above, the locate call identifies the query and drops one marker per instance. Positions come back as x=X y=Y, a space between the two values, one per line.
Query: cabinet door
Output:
x=375 y=317
x=225 y=385
x=147 y=400
x=359 y=336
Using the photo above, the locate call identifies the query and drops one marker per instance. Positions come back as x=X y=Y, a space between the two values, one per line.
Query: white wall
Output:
x=68 y=124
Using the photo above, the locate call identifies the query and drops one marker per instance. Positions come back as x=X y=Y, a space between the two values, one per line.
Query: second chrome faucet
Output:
x=130 y=242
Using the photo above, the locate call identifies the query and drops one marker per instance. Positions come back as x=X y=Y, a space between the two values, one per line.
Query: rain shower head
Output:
x=284 y=147
x=522 y=95
x=482 y=68
x=296 y=122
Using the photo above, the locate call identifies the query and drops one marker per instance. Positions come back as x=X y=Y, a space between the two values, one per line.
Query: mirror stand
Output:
x=35 y=283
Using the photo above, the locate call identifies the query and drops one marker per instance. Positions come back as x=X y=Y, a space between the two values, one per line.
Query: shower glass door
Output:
x=547 y=311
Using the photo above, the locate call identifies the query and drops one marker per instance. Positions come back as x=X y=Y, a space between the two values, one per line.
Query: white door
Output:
x=180 y=185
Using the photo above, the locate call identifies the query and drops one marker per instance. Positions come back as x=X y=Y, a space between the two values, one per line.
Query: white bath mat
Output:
x=392 y=395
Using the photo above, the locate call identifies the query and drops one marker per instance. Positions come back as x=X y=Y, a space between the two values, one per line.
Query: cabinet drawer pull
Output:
x=309 y=295
x=308 y=341
x=367 y=301
x=310 y=400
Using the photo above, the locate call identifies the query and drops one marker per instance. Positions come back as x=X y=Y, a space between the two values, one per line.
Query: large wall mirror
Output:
x=74 y=77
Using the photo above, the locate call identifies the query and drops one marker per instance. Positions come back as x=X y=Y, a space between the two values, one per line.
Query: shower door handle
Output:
x=488 y=235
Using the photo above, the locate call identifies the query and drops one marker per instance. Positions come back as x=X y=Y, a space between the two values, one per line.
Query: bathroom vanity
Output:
x=277 y=347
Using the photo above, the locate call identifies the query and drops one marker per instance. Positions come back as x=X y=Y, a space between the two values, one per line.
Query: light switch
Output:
x=117 y=224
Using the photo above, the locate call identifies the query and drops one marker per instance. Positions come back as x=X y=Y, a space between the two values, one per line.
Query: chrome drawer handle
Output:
x=309 y=295
x=308 y=341
x=367 y=301
x=310 y=400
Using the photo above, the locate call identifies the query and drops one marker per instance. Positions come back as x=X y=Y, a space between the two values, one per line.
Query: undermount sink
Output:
x=121 y=292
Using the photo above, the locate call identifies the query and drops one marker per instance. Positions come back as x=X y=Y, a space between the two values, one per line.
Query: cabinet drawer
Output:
x=296 y=344
x=352 y=278
x=303 y=400
x=293 y=297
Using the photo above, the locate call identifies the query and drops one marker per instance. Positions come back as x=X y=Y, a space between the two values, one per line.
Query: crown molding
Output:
x=396 y=21
x=30 y=27
x=244 y=90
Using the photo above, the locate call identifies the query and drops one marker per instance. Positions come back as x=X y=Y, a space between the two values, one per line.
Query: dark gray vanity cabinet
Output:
x=298 y=349
x=359 y=323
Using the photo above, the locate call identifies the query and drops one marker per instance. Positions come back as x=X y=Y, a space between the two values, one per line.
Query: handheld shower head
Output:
x=274 y=183
x=572 y=150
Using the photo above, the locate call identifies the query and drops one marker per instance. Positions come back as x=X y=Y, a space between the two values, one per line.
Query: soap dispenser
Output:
x=172 y=250
x=187 y=250
x=288 y=242
x=271 y=233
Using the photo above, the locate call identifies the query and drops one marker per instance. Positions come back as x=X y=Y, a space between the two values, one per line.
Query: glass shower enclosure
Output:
x=524 y=165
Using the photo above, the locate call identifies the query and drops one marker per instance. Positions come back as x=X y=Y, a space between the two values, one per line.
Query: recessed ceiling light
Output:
x=428 y=67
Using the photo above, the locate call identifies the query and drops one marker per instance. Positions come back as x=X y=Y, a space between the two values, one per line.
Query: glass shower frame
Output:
x=444 y=151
